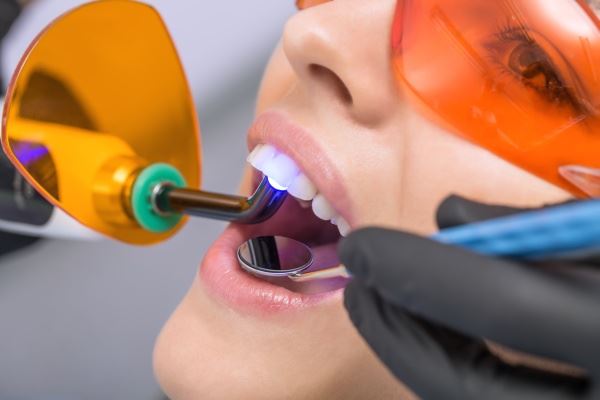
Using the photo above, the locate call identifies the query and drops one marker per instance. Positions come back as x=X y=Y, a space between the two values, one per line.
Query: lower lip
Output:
x=221 y=275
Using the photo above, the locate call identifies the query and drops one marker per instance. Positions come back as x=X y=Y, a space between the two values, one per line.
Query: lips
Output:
x=227 y=282
x=283 y=173
x=220 y=272
x=276 y=129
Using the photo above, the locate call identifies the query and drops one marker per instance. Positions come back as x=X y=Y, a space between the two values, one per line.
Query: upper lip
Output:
x=276 y=129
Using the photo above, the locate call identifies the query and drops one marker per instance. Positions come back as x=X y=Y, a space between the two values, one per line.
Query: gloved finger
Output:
x=526 y=308
x=402 y=344
x=456 y=210
x=439 y=364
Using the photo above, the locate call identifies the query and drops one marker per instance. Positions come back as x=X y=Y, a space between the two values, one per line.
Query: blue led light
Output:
x=29 y=153
x=276 y=185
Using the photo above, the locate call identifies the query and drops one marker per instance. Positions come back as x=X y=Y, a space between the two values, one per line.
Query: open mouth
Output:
x=306 y=216
x=283 y=173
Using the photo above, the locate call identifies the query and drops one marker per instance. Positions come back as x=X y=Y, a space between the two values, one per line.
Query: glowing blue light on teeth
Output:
x=276 y=185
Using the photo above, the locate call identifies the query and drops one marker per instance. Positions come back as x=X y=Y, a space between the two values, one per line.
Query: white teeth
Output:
x=281 y=169
x=261 y=154
x=252 y=156
x=302 y=188
x=343 y=226
x=322 y=208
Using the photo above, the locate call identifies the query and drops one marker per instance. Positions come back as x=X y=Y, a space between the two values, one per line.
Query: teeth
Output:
x=283 y=171
x=302 y=188
x=261 y=155
x=343 y=226
x=252 y=156
x=322 y=208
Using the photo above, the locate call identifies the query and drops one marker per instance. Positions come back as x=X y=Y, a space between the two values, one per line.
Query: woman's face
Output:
x=330 y=103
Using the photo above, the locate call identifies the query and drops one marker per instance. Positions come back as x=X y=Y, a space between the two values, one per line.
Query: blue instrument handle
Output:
x=547 y=233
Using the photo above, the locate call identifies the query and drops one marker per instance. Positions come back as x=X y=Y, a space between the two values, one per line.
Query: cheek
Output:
x=372 y=162
x=278 y=81
x=377 y=184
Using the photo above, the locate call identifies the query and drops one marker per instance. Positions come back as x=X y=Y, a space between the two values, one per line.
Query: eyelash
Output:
x=553 y=92
x=509 y=32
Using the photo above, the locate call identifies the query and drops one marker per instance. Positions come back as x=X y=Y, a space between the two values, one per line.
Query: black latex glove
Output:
x=425 y=307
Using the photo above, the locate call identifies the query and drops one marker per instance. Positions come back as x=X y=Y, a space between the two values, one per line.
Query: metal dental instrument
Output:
x=559 y=232
x=279 y=256
x=255 y=209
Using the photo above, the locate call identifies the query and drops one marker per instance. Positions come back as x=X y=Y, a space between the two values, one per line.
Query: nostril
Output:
x=331 y=81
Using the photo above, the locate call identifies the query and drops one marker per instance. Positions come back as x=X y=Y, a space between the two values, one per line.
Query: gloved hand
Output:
x=425 y=309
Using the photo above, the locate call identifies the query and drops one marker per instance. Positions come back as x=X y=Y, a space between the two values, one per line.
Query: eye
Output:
x=521 y=57
x=535 y=69
x=304 y=4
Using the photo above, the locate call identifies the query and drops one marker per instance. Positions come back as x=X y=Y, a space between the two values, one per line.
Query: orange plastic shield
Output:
x=99 y=95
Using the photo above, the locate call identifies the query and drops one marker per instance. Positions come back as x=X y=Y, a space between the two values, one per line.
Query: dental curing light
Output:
x=159 y=198
x=112 y=138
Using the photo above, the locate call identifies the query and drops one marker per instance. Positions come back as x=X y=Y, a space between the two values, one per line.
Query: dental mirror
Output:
x=100 y=120
x=280 y=257
x=274 y=256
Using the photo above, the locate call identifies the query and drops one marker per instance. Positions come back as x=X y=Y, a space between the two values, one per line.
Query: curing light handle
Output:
x=262 y=205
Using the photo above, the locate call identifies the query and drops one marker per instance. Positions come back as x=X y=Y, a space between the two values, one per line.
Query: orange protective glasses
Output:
x=518 y=77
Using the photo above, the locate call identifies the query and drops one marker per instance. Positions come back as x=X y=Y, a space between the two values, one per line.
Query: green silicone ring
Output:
x=141 y=194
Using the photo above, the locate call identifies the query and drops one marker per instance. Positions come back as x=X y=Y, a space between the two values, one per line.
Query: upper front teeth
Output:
x=260 y=155
x=284 y=171
x=323 y=209
x=302 y=188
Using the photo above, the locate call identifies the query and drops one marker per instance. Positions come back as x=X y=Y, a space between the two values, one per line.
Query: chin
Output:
x=208 y=350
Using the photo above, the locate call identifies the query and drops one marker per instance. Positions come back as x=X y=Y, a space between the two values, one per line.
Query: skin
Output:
x=331 y=74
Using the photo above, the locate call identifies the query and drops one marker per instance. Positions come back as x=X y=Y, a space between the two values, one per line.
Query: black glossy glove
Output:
x=425 y=307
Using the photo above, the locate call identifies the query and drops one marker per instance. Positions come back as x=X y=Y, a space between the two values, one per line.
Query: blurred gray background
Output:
x=78 y=319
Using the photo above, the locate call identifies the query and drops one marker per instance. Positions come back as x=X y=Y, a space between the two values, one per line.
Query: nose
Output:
x=341 y=51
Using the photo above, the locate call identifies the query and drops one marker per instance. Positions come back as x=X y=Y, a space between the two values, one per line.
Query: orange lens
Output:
x=99 y=95
x=520 y=78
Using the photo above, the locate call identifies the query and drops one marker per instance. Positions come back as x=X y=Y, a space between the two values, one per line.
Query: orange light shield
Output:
x=99 y=95
x=518 y=77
